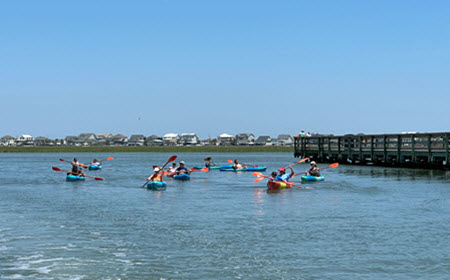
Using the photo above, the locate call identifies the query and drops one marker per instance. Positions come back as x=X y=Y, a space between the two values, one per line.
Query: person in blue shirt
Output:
x=182 y=170
x=283 y=177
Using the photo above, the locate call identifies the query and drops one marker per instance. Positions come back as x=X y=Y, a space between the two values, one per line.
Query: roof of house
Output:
x=170 y=135
x=135 y=137
x=224 y=135
x=284 y=137
x=7 y=137
x=244 y=135
x=263 y=139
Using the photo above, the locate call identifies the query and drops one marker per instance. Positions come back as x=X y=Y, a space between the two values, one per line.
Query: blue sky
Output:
x=212 y=67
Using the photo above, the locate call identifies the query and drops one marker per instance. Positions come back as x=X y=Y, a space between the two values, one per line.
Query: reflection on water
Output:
x=396 y=173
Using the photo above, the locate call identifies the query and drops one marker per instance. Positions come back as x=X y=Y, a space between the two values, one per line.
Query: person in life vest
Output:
x=182 y=170
x=283 y=177
x=314 y=171
x=157 y=176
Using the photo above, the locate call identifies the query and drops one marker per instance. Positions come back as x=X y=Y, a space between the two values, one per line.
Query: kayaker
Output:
x=283 y=177
x=157 y=176
x=274 y=176
x=76 y=170
x=75 y=165
x=173 y=168
x=181 y=169
x=209 y=162
x=96 y=162
x=314 y=171
x=238 y=165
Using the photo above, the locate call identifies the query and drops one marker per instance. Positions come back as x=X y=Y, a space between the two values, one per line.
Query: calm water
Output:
x=361 y=223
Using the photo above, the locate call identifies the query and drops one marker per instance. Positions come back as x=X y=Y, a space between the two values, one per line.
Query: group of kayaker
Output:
x=77 y=170
x=171 y=171
x=281 y=176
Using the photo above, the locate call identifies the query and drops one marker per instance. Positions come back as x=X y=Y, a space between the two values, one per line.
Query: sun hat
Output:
x=181 y=162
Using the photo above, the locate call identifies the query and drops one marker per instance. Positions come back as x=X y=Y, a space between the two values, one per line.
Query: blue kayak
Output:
x=307 y=178
x=95 y=167
x=156 y=185
x=255 y=168
x=74 y=178
x=215 y=167
x=182 y=177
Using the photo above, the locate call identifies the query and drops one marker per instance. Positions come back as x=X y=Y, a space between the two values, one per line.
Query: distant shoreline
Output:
x=147 y=149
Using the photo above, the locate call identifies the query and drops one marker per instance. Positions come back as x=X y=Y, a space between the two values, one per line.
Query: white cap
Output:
x=156 y=169
x=313 y=162
x=181 y=162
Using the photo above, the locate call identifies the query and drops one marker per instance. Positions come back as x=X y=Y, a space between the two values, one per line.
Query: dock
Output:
x=415 y=150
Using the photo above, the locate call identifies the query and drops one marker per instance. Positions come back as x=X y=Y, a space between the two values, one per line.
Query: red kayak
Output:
x=275 y=185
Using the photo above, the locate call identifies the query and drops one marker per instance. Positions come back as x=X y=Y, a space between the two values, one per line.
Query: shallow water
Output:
x=360 y=223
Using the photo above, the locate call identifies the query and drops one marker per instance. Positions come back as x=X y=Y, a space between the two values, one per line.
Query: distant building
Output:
x=87 y=139
x=104 y=139
x=171 y=139
x=263 y=141
x=285 y=140
x=43 y=141
x=24 y=140
x=7 y=140
x=225 y=139
x=154 y=140
x=119 y=140
x=189 y=139
x=245 y=139
x=136 y=140
x=71 y=140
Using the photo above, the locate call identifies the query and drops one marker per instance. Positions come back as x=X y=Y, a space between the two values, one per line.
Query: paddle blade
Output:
x=98 y=178
x=56 y=168
x=257 y=174
x=305 y=159
x=258 y=179
x=61 y=159
x=229 y=160
x=110 y=158
x=172 y=158
x=206 y=169
x=334 y=165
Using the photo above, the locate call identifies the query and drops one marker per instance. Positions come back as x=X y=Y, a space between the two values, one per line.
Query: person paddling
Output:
x=157 y=176
x=181 y=169
x=172 y=169
x=283 y=177
x=314 y=171
x=238 y=165
x=209 y=162
x=75 y=169
x=95 y=162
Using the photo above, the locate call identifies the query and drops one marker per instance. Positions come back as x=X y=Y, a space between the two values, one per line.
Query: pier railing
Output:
x=428 y=150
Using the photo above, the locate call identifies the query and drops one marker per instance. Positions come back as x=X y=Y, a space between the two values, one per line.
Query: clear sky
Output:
x=212 y=67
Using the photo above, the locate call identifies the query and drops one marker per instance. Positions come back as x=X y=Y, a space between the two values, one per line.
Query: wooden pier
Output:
x=420 y=150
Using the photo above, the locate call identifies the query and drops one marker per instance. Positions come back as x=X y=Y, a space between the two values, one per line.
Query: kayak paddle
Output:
x=81 y=164
x=333 y=165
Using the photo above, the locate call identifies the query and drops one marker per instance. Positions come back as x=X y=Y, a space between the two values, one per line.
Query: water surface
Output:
x=360 y=223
